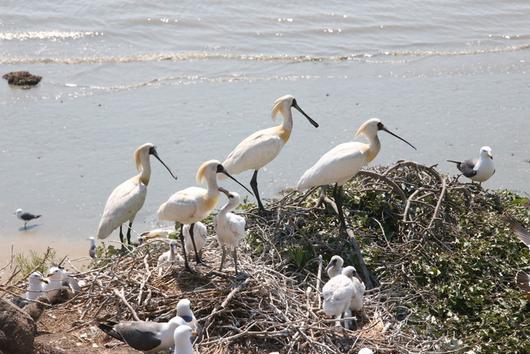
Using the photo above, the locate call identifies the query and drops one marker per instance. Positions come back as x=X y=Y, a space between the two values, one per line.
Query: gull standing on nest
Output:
x=477 y=170
x=194 y=203
x=260 y=148
x=128 y=198
x=340 y=164
x=151 y=337
x=229 y=227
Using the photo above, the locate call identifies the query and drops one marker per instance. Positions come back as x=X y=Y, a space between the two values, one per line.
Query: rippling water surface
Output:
x=196 y=78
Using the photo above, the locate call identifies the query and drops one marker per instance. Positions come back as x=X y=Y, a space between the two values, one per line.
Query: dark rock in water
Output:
x=18 y=329
x=36 y=309
x=22 y=78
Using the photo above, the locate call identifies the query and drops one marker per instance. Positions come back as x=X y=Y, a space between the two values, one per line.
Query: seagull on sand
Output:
x=263 y=146
x=128 y=198
x=26 y=217
x=92 y=251
x=194 y=204
x=229 y=227
x=151 y=337
x=477 y=170
x=340 y=164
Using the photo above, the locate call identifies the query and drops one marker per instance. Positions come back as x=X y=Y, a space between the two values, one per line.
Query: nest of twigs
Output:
x=405 y=224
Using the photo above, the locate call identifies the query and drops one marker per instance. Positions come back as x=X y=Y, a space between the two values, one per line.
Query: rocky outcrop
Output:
x=22 y=78
x=18 y=329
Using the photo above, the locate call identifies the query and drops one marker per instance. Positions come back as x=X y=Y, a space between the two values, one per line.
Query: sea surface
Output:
x=195 y=78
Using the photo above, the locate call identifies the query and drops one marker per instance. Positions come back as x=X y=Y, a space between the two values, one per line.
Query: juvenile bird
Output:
x=168 y=258
x=334 y=266
x=338 y=293
x=229 y=227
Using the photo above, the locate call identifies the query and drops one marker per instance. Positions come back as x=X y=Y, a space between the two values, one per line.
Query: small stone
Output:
x=22 y=78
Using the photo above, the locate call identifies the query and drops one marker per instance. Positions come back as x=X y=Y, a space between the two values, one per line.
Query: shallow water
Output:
x=195 y=79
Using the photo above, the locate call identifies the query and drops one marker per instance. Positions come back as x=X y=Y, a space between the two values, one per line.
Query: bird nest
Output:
x=407 y=223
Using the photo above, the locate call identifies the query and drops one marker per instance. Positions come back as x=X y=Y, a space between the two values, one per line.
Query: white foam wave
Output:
x=45 y=35
x=185 y=56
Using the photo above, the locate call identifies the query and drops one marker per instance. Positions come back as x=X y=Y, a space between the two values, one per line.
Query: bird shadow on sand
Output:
x=28 y=228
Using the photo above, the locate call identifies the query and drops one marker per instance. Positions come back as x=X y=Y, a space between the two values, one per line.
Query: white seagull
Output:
x=55 y=279
x=194 y=203
x=93 y=248
x=168 y=258
x=477 y=170
x=26 y=217
x=263 y=146
x=128 y=198
x=150 y=337
x=337 y=294
x=182 y=340
x=229 y=227
x=334 y=266
x=344 y=161
x=36 y=286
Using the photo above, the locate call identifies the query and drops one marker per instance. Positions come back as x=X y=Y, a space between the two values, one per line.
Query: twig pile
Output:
x=397 y=216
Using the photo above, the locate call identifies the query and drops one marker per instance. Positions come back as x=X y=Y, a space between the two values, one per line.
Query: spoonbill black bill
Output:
x=260 y=148
x=344 y=161
x=193 y=204
x=128 y=198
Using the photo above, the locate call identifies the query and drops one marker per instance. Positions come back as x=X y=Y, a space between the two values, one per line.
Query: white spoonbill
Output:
x=229 y=227
x=337 y=294
x=477 y=170
x=194 y=203
x=334 y=266
x=263 y=146
x=344 y=161
x=357 y=300
x=128 y=198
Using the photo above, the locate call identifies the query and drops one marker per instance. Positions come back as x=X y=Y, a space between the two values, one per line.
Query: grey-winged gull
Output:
x=477 y=170
x=151 y=337
x=26 y=217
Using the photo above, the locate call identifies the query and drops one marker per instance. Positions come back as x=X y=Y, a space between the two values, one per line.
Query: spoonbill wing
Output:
x=254 y=152
x=335 y=166
x=122 y=204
